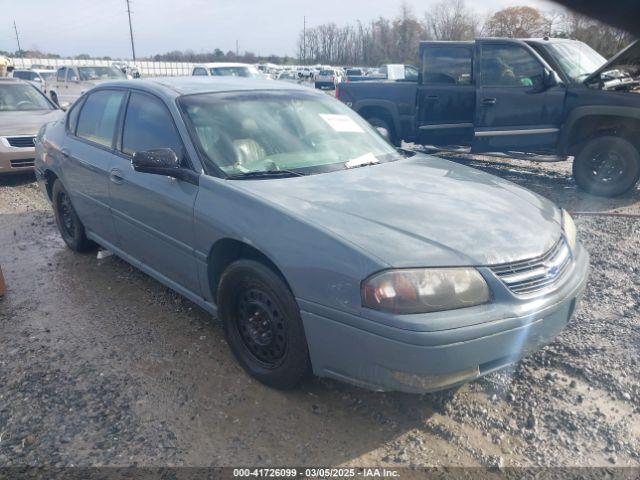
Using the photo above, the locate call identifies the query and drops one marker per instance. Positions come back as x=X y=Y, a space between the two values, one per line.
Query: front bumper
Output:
x=16 y=160
x=388 y=358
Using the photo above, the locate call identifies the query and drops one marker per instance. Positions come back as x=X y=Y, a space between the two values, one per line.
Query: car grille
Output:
x=24 y=162
x=527 y=277
x=22 y=142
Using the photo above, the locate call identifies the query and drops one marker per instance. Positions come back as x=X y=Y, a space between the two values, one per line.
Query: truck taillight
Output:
x=338 y=91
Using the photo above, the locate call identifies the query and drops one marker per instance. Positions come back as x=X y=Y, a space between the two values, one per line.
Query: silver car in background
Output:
x=23 y=110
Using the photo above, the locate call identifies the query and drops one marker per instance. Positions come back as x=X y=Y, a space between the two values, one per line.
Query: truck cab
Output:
x=71 y=82
x=539 y=96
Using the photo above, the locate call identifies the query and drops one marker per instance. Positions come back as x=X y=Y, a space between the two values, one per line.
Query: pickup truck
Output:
x=71 y=82
x=537 y=96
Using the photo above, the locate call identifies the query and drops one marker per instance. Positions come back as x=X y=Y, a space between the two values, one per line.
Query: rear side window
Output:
x=200 y=71
x=25 y=75
x=148 y=125
x=510 y=66
x=73 y=114
x=61 y=74
x=99 y=115
x=447 y=65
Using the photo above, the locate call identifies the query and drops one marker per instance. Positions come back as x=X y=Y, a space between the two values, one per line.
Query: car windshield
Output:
x=235 y=72
x=298 y=132
x=100 y=73
x=14 y=97
x=576 y=59
x=48 y=76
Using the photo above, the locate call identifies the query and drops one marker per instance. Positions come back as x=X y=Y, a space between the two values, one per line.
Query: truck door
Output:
x=446 y=94
x=519 y=101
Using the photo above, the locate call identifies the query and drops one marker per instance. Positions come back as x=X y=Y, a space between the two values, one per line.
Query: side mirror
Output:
x=162 y=161
x=551 y=78
x=384 y=133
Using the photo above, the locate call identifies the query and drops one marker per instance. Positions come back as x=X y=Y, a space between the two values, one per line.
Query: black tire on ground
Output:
x=54 y=98
x=381 y=122
x=607 y=166
x=262 y=323
x=69 y=224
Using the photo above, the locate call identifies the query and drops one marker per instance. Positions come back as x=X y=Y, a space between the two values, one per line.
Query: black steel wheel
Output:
x=607 y=166
x=69 y=224
x=262 y=324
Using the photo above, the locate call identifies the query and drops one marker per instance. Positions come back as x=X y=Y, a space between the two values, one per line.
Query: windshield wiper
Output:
x=283 y=173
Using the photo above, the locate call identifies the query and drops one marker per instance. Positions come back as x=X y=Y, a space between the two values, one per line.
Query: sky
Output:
x=100 y=27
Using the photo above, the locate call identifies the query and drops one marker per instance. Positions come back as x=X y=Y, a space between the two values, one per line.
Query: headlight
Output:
x=424 y=290
x=569 y=229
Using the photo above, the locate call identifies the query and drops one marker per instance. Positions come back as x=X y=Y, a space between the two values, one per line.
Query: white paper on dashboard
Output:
x=341 y=123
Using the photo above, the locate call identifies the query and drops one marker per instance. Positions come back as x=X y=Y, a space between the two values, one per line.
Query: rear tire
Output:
x=607 y=166
x=263 y=326
x=69 y=224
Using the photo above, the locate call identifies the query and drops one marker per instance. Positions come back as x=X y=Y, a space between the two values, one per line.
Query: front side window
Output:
x=148 y=126
x=19 y=96
x=100 y=73
x=296 y=131
x=510 y=66
x=71 y=75
x=99 y=115
x=62 y=73
x=447 y=65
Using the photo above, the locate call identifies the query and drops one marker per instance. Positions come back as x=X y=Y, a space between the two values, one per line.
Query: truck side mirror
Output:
x=551 y=78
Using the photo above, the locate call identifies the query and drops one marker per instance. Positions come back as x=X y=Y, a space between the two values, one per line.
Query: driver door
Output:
x=517 y=108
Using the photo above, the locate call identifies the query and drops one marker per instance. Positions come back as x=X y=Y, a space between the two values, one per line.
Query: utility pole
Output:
x=237 y=50
x=17 y=39
x=304 y=40
x=133 y=48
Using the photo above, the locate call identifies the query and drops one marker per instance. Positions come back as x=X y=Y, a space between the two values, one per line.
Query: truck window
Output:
x=61 y=74
x=71 y=75
x=509 y=65
x=447 y=65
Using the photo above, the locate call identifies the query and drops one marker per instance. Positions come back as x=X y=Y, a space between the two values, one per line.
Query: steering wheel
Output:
x=23 y=103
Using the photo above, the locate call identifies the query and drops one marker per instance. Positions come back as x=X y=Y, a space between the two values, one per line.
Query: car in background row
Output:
x=227 y=69
x=71 y=82
x=38 y=78
x=23 y=110
x=328 y=78
x=320 y=246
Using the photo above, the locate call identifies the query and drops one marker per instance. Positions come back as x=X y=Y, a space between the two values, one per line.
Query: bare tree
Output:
x=451 y=20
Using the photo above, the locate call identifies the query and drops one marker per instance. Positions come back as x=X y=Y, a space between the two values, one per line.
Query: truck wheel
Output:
x=262 y=323
x=54 y=98
x=69 y=224
x=378 y=122
x=607 y=166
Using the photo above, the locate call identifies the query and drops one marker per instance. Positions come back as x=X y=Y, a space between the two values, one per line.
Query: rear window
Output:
x=326 y=73
x=447 y=65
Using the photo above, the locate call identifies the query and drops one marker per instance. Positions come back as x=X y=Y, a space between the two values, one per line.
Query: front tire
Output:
x=263 y=326
x=69 y=224
x=607 y=166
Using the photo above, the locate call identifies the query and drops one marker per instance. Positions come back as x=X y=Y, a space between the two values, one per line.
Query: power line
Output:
x=17 y=38
x=133 y=48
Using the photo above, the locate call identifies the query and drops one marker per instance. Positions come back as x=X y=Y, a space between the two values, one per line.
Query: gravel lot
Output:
x=101 y=365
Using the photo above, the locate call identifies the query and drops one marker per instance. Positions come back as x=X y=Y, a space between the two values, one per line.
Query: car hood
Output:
x=26 y=122
x=421 y=211
x=629 y=56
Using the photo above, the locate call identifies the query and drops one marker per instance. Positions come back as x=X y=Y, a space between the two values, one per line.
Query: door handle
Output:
x=489 y=101
x=116 y=177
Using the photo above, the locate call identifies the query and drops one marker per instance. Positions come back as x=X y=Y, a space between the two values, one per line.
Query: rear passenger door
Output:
x=88 y=155
x=153 y=214
x=446 y=94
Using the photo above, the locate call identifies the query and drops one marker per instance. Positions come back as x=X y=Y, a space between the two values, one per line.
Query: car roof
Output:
x=223 y=64
x=172 y=87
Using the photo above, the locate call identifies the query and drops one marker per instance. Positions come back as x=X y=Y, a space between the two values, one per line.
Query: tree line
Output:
x=395 y=40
